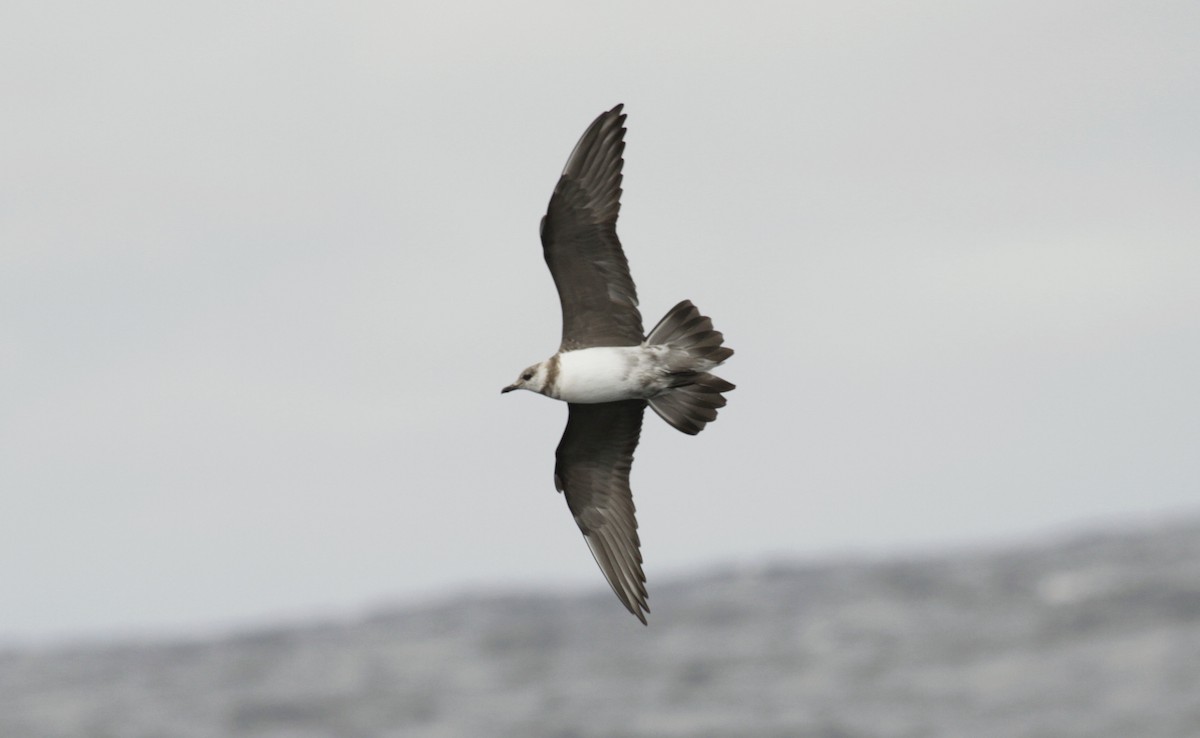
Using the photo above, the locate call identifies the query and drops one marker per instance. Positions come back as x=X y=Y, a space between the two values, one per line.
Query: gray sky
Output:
x=264 y=268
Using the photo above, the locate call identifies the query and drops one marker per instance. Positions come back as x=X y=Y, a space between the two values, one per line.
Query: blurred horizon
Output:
x=1095 y=635
x=587 y=587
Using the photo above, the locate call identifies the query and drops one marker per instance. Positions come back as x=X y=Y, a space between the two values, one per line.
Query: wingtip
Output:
x=606 y=133
x=639 y=608
x=627 y=585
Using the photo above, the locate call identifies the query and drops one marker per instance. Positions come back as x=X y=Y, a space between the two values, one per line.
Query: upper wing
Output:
x=592 y=469
x=579 y=241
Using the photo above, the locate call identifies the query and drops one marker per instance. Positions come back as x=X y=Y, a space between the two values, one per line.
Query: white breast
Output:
x=603 y=374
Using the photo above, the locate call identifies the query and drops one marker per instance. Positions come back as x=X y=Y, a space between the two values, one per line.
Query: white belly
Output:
x=605 y=374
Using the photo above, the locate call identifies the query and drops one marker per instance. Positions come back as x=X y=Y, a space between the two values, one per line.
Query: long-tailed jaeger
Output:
x=606 y=369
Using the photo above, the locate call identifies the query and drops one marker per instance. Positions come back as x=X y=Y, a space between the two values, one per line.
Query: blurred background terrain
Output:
x=1096 y=635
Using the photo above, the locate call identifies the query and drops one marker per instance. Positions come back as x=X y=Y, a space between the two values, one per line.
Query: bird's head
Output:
x=533 y=378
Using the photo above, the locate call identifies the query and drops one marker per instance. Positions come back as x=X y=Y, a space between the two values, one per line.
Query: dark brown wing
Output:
x=592 y=470
x=579 y=241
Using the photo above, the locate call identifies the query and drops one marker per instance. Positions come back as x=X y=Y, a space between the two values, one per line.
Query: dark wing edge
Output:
x=580 y=244
x=592 y=471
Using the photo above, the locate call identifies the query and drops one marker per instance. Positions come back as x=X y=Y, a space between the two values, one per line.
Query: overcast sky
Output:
x=264 y=268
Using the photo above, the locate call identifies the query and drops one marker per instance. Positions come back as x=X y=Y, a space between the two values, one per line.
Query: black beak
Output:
x=509 y=388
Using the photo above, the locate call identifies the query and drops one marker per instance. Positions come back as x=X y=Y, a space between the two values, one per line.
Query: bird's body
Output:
x=605 y=368
x=612 y=373
x=605 y=374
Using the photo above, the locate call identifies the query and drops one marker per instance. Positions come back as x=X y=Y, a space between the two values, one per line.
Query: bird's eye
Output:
x=527 y=376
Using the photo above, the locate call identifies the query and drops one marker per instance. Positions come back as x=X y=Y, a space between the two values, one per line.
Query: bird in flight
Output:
x=606 y=369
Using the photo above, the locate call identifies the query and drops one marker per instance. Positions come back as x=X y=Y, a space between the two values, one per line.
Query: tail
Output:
x=693 y=403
